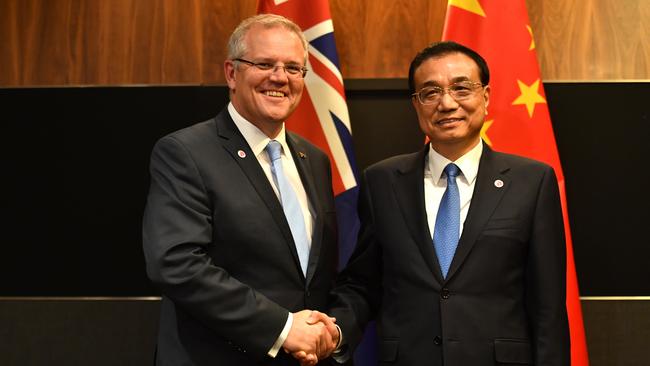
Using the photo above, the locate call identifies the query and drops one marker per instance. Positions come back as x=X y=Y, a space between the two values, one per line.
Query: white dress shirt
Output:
x=257 y=141
x=435 y=182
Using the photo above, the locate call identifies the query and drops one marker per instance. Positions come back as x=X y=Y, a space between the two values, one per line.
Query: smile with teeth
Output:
x=274 y=93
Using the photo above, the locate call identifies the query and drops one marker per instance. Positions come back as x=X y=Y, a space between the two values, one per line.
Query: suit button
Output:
x=444 y=293
x=437 y=340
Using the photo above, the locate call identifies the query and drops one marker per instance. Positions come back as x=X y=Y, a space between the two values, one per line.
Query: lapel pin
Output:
x=302 y=155
x=241 y=154
x=498 y=183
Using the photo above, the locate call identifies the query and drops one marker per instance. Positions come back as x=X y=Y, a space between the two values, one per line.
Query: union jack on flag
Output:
x=322 y=115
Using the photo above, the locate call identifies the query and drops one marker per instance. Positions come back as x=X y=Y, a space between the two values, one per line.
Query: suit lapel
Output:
x=234 y=142
x=485 y=199
x=409 y=189
x=303 y=164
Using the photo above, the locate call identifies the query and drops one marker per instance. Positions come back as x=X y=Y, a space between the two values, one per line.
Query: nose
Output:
x=447 y=102
x=279 y=73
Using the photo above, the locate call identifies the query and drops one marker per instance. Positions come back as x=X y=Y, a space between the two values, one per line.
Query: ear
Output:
x=414 y=102
x=229 y=70
x=486 y=96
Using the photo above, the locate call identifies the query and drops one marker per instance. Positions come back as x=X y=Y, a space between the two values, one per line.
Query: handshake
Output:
x=313 y=336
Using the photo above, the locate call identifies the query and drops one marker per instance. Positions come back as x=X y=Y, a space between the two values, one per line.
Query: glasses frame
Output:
x=472 y=85
x=265 y=66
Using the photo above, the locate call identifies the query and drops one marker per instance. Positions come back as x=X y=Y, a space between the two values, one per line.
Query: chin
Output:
x=277 y=117
x=278 y=110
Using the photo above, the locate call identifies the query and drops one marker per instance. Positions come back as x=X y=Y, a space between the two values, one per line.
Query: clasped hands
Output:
x=312 y=337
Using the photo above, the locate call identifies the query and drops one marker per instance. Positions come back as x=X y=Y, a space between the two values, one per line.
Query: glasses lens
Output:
x=293 y=69
x=264 y=66
x=463 y=90
x=429 y=95
x=458 y=91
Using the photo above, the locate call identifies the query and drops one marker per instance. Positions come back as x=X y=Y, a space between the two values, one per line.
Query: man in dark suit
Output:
x=240 y=228
x=461 y=256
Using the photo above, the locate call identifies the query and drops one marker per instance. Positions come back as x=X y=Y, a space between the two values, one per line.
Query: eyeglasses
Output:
x=459 y=91
x=291 y=70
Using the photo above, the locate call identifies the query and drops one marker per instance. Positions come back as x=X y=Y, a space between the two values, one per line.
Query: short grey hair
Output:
x=237 y=43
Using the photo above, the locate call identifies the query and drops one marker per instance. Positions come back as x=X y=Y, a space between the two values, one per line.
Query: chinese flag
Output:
x=518 y=121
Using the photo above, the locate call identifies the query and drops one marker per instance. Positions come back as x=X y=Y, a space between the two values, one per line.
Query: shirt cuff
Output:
x=341 y=353
x=281 y=338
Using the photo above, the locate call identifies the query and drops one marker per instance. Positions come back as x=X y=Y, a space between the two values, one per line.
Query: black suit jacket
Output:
x=217 y=244
x=503 y=301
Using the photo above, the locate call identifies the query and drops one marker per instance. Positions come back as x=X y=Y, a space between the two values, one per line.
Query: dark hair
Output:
x=439 y=49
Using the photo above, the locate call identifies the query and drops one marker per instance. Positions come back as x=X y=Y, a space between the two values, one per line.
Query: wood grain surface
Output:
x=65 y=42
x=592 y=39
x=126 y=42
x=378 y=39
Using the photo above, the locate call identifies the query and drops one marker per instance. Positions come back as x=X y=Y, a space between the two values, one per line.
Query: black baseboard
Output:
x=122 y=331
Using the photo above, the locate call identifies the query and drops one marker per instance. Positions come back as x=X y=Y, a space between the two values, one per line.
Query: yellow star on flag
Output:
x=529 y=96
x=484 y=135
x=470 y=5
x=532 y=39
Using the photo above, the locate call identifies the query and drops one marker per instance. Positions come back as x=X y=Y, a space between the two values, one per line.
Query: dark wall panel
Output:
x=74 y=177
x=603 y=135
x=78 y=332
x=75 y=164
x=617 y=332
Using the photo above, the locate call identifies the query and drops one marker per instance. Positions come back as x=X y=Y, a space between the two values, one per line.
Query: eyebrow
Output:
x=454 y=80
x=274 y=61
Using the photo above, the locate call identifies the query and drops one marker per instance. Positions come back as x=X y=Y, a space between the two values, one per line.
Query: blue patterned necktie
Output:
x=290 y=204
x=447 y=230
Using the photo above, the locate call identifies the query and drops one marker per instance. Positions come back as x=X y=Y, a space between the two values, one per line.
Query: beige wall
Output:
x=89 y=42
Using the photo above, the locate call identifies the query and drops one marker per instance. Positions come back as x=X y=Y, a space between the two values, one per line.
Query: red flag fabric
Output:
x=518 y=120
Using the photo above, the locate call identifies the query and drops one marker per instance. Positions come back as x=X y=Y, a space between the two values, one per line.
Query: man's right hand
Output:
x=312 y=336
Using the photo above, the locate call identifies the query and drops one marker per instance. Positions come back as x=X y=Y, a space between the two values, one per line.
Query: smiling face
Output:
x=453 y=127
x=266 y=98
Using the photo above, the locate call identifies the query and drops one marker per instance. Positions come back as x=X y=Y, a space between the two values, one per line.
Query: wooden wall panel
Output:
x=378 y=39
x=375 y=39
x=220 y=19
x=69 y=42
x=135 y=42
x=592 y=39
x=89 y=42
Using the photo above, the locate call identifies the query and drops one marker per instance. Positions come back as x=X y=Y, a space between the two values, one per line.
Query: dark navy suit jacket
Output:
x=503 y=301
x=218 y=246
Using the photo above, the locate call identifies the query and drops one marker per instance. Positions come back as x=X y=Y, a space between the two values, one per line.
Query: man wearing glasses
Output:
x=461 y=256
x=240 y=229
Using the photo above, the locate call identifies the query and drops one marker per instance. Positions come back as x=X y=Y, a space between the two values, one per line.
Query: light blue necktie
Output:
x=290 y=204
x=447 y=230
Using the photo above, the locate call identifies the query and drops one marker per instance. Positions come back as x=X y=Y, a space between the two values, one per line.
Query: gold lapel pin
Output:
x=302 y=155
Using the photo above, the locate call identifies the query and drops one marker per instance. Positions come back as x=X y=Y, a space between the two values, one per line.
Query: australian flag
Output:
x=322 y=115
x=322 y=118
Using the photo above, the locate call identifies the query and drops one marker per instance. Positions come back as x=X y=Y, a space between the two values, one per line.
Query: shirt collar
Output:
x=256 y=139
x=468 y=163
